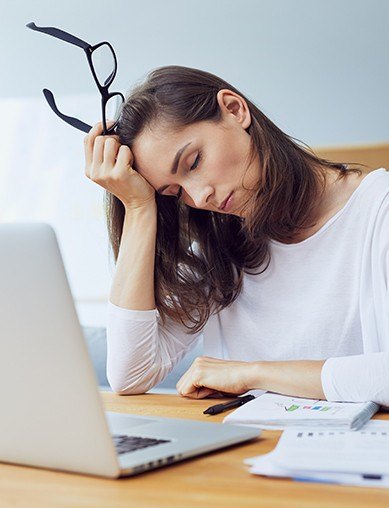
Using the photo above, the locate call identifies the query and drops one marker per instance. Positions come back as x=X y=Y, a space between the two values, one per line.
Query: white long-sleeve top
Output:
x=325 y=298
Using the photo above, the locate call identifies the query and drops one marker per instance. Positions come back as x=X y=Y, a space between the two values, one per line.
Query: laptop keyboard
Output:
x=125 y=444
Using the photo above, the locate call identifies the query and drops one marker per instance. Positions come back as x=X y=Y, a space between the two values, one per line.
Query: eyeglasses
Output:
x=103 y=65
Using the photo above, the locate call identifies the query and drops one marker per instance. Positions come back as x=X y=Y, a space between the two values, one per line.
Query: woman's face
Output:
x=204 y=162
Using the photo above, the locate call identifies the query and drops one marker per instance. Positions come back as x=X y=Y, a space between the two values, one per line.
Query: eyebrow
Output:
x=175 y=164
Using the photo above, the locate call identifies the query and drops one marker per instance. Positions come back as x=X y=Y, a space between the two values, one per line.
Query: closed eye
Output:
x=196 y=162
x=194 y=166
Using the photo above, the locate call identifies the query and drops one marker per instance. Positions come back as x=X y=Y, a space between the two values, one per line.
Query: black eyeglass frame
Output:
x=103 y=88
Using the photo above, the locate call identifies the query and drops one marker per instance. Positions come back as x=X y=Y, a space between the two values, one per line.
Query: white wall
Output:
x=320 y=70
x=42 y=179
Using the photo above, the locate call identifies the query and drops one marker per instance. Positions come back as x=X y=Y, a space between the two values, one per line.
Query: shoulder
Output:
x=374 y=184
x=379 y=199
x=371 y=215
x=372 y=200
x=378 y=239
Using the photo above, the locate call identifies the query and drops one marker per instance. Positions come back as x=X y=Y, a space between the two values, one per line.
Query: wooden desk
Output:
x=218 y=479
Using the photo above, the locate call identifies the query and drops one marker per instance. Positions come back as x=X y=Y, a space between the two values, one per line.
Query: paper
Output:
x=357 y=458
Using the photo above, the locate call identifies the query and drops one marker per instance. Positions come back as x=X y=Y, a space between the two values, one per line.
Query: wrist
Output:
x=254 y=376
x=149 y=206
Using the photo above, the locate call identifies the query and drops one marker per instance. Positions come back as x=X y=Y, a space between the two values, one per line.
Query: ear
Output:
x=231 y=103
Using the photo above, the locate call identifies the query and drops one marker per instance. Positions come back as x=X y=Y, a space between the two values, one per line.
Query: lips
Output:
x=221 y=207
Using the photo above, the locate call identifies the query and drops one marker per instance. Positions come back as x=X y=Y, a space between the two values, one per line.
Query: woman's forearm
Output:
x=133 y=283
x=299 y=378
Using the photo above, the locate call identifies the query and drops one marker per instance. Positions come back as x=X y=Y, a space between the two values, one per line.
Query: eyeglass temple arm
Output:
x=59 y=34
x=75 y=122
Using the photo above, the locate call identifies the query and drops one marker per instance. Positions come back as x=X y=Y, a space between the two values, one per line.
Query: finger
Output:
x=189 y=381
x=110 y=152
x=124 y=156
x=198 y=393
x=187 y=386
x=98 y=127
x=89 y=141
x=179 y=384
x=98 y=151
x=204 y=392
x=218 y=395
x=185 y=380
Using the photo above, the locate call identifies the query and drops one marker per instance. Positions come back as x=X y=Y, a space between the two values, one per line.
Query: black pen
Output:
x=219 y=408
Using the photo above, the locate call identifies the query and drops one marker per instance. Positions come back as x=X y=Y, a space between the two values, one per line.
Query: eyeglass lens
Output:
x=104 y=64
x=113 y=107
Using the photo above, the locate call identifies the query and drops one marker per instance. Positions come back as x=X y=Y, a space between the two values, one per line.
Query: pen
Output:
x=219 y=408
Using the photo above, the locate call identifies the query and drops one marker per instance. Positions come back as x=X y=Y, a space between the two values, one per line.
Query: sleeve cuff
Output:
x=131 y=315
x=327 y=381
x=357 y=378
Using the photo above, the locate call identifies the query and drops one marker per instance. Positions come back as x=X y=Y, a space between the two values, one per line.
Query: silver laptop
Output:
x=51 y=411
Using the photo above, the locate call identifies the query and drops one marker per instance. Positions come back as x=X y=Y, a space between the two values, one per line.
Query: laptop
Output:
x=52 y=414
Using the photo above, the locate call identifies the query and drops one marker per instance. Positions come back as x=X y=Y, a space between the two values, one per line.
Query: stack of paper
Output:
x=277 y=412
x=357 y=458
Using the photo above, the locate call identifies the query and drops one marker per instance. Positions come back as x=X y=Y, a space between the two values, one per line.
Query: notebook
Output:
x=273 y=411
x=357 y=458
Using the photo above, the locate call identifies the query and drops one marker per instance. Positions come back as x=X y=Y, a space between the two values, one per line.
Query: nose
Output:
x=200 y=195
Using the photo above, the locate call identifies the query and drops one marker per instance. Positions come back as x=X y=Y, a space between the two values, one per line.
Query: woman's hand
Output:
x=208 y=376
x=108 y=163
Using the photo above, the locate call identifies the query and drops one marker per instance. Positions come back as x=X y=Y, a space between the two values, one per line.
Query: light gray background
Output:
x=319 y=69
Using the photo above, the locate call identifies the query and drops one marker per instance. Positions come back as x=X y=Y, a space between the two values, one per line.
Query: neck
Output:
x=337 y=191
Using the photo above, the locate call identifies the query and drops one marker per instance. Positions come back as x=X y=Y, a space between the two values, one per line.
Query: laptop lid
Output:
x=52 y=415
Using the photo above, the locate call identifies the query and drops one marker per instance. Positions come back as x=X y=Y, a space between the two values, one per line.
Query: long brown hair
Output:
x=201 y=256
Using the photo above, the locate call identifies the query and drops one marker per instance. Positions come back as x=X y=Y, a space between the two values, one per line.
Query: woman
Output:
x=221 y=224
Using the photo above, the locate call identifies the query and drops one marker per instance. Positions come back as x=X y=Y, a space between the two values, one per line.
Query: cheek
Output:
x=228 y=162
